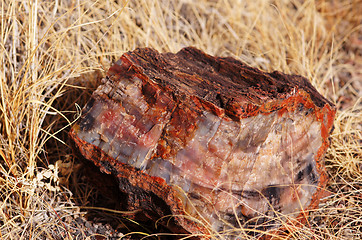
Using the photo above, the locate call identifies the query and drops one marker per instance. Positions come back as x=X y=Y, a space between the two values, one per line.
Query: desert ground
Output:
x=53 y=54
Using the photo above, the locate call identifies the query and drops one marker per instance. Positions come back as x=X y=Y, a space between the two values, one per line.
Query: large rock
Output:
x=209 y=140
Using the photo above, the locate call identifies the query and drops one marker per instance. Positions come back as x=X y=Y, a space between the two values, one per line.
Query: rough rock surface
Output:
x=209 y=140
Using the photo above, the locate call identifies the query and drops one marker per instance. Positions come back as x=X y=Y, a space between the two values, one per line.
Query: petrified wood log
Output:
x=209 y=140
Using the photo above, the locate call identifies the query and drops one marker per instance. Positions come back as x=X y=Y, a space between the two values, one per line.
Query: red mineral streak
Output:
x=208 y=138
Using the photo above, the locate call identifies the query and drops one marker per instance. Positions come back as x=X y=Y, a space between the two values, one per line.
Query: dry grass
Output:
x=52 y=53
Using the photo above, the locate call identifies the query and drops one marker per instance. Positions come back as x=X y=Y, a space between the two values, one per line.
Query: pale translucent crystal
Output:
x=228 y=169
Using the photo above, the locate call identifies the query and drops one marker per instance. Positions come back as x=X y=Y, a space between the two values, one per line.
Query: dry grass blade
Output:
x=53 y=52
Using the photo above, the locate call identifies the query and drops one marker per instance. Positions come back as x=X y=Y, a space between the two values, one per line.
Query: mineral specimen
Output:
x=208 y=140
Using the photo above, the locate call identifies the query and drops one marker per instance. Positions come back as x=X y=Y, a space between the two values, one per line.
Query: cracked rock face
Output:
x=210 y=138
